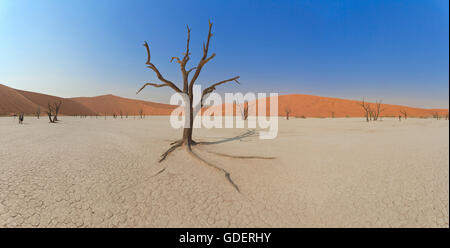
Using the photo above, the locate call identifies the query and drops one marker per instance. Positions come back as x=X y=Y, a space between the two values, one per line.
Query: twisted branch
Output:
x=158 y=74
x=213 y=87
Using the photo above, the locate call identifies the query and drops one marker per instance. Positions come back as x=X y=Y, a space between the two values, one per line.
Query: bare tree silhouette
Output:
x=187 y=89
x=404 y=113
x=367 y=110
x=38 y=112
x=245 y=111
x=378 y=110
x=21 y=115
x=436 y=115
x=141 y=113
x=287 y=110
x=53 y=110
x=188 y=85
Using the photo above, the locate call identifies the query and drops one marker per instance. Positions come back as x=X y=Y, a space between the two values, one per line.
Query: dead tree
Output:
x=404 y=113
x=141 y=113
x=332 y=114
x=121 y=115
x=50 y=112
x=57 y=106
x=245 y=111
x=371 y=115
x=21 y=118
x=367 y=110
x=187 y=89
x=436 y=115
x=287 y=110
x=38 y=112
x=446 y=116
x=378 y=110
x=53 y=110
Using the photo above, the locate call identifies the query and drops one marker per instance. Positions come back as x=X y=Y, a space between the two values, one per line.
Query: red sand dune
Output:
x=316 y=106
x=111 y=104
x=12 y=101
x=68 y=107
x=16 y=101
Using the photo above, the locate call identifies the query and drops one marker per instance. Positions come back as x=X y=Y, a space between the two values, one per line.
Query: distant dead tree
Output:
x=114 y=116
x=53 y=110
x=332 y=114
x=21 y=118
x=378 y=110
x=57 y=106
x=404 y=113
x=436 y=115
x=38 y=112
x=121 y=115
x=287 y=110
x=141 y=113
x=446 y=116
x=244 y=110
x=367 y=110
x=126 y=115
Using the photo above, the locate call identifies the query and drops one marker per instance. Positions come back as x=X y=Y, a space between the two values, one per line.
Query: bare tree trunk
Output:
x=187 y=132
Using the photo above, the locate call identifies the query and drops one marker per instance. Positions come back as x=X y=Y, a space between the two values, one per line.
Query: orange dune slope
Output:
x=317 y=106
x=18 y=101
x=14 y=101
x=110 y=104
x=300 y=105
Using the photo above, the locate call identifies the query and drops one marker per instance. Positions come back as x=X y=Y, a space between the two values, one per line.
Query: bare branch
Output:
x=213 y=87
x=204 y=59
x=158 y=74
x=186 y=54
x=148 y=53
x=177 y=59
x=152 y=84
x=189 y=71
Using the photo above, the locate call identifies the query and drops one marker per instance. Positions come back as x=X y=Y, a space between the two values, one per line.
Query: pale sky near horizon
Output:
x=397 y=51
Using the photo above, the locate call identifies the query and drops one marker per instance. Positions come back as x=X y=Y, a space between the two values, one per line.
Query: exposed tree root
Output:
x=193 y=142
x=171 y=149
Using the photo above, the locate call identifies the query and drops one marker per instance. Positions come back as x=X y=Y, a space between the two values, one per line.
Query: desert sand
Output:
x=339 y=172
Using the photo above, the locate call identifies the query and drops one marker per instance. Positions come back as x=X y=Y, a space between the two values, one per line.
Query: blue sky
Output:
x=397 y=51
